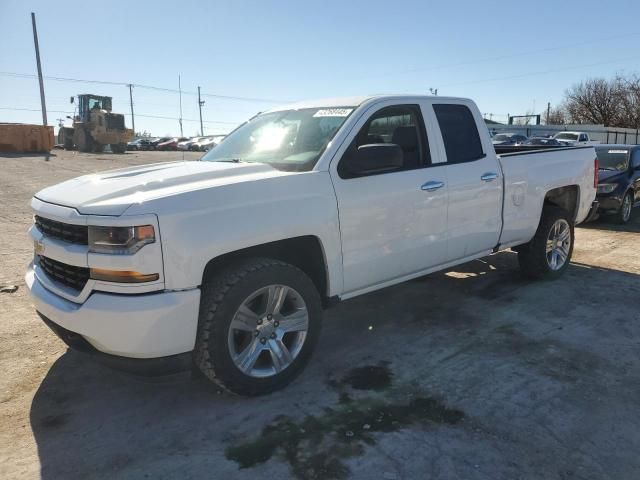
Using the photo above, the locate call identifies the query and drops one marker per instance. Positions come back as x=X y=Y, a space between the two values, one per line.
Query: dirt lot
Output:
x=471 y=373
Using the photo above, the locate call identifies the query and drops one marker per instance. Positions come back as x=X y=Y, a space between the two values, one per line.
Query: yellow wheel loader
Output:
x=95 y=126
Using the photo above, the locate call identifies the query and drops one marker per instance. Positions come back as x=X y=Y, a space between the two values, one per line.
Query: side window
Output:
x=583 y=138
x=459 y=133
x=635 y=159
x=401 y=125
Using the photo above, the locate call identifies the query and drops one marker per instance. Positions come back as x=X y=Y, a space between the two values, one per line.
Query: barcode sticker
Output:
x=333 y=112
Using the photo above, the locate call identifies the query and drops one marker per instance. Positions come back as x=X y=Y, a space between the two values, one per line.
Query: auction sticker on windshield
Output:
x=333 y=112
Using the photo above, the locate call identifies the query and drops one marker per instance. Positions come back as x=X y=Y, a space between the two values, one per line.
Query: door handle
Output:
x=489 y=177
x=432 y=186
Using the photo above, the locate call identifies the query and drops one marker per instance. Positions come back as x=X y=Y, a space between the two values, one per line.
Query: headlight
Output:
x=607 y=187
x=120 y=240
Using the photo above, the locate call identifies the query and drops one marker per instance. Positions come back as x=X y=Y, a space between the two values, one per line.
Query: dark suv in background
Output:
x=619 y=180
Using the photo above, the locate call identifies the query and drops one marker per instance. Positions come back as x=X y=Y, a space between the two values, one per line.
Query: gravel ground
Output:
x=473 y=373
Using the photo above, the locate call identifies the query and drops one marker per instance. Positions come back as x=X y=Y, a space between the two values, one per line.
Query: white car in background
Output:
x=574 y=139
x=209 y=142
x=186 y=145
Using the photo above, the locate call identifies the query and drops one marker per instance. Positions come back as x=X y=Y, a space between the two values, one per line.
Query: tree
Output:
x=629 y=108
x=594 y=101
x=557 y=116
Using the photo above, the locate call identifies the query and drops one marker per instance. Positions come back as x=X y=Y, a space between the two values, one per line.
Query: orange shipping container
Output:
x=24 y=138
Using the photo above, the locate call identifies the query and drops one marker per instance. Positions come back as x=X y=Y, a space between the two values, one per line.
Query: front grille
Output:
x=63 y=231
x=69 y=275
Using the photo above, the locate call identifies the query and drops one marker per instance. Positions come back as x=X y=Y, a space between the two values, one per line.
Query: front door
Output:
x=392 y=224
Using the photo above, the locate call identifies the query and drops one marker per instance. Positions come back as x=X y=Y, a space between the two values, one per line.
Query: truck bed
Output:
x=529 y=172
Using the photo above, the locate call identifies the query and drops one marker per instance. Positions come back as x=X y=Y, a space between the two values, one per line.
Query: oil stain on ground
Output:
x=317 y=446
x=369 y=377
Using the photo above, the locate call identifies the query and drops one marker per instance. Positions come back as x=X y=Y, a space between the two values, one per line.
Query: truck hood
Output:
x=112 y=192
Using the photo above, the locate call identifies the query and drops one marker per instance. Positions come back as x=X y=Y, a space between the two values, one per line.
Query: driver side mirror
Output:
x=374 y=158
x=71 y=99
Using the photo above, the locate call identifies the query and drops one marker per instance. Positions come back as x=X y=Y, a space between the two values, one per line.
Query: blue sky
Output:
x=292 y=50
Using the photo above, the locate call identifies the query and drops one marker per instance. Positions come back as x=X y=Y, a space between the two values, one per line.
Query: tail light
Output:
x=596 y=168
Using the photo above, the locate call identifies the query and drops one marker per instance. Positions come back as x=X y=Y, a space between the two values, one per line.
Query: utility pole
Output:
x=180 y=90
x=133 y=120
x=200 y=104
x=548 y=112
x=35 y=41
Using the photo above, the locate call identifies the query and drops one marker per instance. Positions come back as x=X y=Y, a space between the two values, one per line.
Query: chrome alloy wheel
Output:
x=268 y=331
x=626 y=208
x=558 y=244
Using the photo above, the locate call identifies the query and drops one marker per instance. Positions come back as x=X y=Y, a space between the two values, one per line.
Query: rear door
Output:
x=474 y=182
x=392 y=224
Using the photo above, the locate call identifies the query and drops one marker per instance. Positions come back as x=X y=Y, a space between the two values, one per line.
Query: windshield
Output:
x=613 y=158
x=290 y=140
x=566 y=136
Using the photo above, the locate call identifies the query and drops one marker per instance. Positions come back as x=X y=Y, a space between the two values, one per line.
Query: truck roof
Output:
x=352 y=101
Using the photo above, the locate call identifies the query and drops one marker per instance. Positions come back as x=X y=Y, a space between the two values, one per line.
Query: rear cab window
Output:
x=459 y=133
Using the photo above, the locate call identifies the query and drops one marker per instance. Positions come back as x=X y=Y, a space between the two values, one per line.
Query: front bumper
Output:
x=143 y=326
x=610 y=203
x=137 y=366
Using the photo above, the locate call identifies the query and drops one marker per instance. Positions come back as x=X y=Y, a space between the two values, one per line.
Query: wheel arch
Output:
x=567 y=197
x=305 y=252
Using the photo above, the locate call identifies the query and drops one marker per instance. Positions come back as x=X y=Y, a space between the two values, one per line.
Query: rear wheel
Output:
x=624 y=215
x=549 y=252
x=259 y=323
x=119 y=147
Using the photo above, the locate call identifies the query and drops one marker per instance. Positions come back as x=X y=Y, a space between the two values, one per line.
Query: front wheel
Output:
x=259 y=323
x=549 y=252
x=624 y=215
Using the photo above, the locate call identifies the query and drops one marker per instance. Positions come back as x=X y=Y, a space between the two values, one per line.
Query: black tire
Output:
x=222 y=294
x=84 y=141
x=624 y=216
x=532 y=256
x=118 y=147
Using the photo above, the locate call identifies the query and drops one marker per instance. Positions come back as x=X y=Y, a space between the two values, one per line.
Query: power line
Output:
x=542 y=72
x=187 y=119
x=148 y=87
x=137 y=115
x=505 y=57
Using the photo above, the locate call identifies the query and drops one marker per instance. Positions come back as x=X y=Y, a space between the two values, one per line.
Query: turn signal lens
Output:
x=122 y=276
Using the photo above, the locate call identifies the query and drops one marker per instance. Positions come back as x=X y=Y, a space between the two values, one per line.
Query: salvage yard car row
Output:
x=191 y=144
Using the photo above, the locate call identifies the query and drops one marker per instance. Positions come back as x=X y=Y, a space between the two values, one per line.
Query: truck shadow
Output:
x=91 y=422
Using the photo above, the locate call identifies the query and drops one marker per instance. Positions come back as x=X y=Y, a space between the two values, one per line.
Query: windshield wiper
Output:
x=234 y=160
x=607 y=168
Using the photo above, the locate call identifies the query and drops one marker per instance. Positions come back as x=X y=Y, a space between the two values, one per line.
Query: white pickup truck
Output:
x=574 y=139
x=226 y=263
